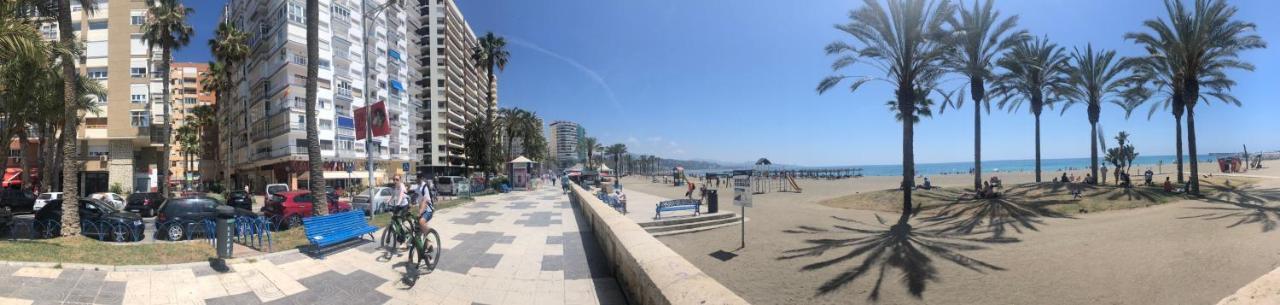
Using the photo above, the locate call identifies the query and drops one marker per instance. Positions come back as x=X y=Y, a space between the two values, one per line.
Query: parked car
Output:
x=114 y=199
x=240 y=200
x=448 y=185
x=18 y=200
x=381 y=199
x=105 y=223
x=144 y=203
x=287 y=209
x=177 y=217
x=272 y=189
x=44 y=198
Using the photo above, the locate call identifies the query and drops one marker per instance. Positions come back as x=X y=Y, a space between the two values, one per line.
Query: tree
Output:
x=188 y=139
x=229 y=47
x=1094 y=78
x=1121 y=156
x=1161 y=69
x=70 y=168
x=474 y=135
x=491 y=54
x=590 y=145
x=1035 y=74
x=316 y=168
x=1206 y=42
x=909 y=47
x=167 y=29
x=616 y=151
x=978 y=40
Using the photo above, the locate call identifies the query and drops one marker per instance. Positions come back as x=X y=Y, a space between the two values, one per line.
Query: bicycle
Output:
x=424 y=249
x=398 y=229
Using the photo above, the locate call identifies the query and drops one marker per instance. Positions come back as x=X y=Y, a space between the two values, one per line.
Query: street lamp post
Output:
x=368 y=94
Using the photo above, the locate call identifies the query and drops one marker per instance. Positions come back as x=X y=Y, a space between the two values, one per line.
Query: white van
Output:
x=448 y=185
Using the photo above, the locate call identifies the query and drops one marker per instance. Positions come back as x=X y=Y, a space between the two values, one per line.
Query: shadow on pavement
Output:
x=1244 y=203
x=897 y=246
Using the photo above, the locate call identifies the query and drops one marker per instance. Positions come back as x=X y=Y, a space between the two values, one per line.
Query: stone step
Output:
x=683 y=220
x=691 y=225
x=736 y=221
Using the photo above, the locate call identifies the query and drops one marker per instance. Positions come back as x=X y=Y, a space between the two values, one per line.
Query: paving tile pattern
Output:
x=524 y=248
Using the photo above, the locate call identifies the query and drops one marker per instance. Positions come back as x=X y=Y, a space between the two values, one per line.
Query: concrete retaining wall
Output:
x=650 y=273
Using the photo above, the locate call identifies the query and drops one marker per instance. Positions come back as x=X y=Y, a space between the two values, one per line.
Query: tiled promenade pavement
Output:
x=516 y=248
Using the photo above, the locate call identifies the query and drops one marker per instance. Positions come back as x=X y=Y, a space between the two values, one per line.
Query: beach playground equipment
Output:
x=765 y=179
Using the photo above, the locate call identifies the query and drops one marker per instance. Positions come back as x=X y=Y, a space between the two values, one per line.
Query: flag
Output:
x=380 y=124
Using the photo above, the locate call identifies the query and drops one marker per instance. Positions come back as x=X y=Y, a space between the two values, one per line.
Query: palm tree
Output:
x=1161 y=68
x=166 y=28
x=491 y=55
x=616 y=151
x=591 y=145
x=1094 y=78
x=1035 y=74
x=70 y=168
x=1203 y=44
x=979 y=39
x=316 y=168
x=229 y=47
x=188 y=138
x=909 y=47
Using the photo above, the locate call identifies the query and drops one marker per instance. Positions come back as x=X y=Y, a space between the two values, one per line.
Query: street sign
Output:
x=405 y=166
x=351 y=167
x=742 y=190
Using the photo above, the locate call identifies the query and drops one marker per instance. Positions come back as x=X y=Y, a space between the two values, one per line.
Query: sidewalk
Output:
x=516 y=248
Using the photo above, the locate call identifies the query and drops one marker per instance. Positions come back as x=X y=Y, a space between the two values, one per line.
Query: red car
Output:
x=287 y=209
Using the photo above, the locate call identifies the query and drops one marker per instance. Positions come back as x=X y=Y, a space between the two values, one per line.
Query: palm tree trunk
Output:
x=162 y=169
x=25 y=141
x=906 y=105
x=313 y=132
x=1037 y=148
x=1093 y=150
x=977 y=139
x=70 y=170
x=1178 y=142
x=1191 y=148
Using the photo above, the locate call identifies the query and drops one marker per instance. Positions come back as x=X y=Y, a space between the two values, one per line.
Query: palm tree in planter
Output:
x=1035 y=75
x=229 y=47
x=491 y=54
x=910 y=48
x=1095 y=77
x=316 y=164
x=1205 y=42
x=980 y=35
x=167 y=29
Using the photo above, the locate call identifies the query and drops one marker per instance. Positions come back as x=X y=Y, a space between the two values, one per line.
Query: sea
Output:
x=1155 y=163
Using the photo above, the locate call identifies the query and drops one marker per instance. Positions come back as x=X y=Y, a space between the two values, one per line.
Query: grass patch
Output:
x=1052 y=197
x=296 y=238
x=83 y=250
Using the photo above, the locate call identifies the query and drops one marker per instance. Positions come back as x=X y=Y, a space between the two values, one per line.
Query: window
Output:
x=297 y=13
x=341 y=11
x=98 y=73
x=189 y=101
x=138 y=72
x=95 y=123
x=98 y=25
x=326 y=145
x=96 y=49
x=137 y=46
x=137 y=17
x=139 y=118
x=138 y=93
x=326 y=125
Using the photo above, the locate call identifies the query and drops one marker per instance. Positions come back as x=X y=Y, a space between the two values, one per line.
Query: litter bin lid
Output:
x=225 y=211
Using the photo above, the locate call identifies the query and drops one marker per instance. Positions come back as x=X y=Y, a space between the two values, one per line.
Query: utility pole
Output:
x=369 y=96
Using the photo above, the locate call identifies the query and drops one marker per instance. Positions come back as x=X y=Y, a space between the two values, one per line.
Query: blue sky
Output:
x=734 y=81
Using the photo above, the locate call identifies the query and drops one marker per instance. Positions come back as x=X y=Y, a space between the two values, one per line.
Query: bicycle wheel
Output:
x=432 y=250
x=415 y=253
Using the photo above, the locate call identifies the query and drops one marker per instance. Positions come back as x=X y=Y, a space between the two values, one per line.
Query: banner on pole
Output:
x=379 y=124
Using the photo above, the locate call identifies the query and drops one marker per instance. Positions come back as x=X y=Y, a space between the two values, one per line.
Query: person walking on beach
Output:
x=1104 y=174
x=689 y=193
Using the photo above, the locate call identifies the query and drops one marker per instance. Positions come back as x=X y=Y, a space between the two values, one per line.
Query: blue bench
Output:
x=678 y=205
x=332 y=229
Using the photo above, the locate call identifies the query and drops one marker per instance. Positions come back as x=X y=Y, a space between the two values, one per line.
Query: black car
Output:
x=97 y=219
x=144 y=203
x=240 y=200
x=177 y=218
x=18 y=201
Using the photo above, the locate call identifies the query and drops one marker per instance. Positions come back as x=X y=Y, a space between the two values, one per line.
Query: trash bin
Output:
x=713 y=201
x=226 y=218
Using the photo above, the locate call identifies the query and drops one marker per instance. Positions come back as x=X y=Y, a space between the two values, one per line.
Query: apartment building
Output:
x=452 y=88
x=121 y=142
x=265 y=118
x=188 y=94
x=564 y=143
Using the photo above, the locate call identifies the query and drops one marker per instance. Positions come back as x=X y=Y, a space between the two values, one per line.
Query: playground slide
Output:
x=792 y=180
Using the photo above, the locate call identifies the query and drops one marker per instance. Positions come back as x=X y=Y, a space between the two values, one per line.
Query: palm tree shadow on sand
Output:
x=898 y=246
x=996 y=216
x=1244 y=203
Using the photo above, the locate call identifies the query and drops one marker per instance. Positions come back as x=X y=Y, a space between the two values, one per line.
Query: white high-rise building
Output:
x=565 y=139
x=452 y=86
x=265 y=114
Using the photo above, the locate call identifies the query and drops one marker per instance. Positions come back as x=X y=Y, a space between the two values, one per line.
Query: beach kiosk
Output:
x=520 y=170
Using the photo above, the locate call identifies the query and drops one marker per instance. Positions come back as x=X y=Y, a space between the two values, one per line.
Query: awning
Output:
x=522 y=159
x=393 y=54
x=11 y=177
x=395 y=84
x=346 y=122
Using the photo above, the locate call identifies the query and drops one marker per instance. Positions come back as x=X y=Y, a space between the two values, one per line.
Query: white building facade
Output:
x=452 y=88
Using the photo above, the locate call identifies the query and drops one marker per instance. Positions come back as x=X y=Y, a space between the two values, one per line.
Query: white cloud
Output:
x=632 y=140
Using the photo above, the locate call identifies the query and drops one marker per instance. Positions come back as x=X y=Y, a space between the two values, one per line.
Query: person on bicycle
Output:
x=426 y=206
x=400 y=200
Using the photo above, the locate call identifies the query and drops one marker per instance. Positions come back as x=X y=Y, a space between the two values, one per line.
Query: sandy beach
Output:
x=802 y=252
